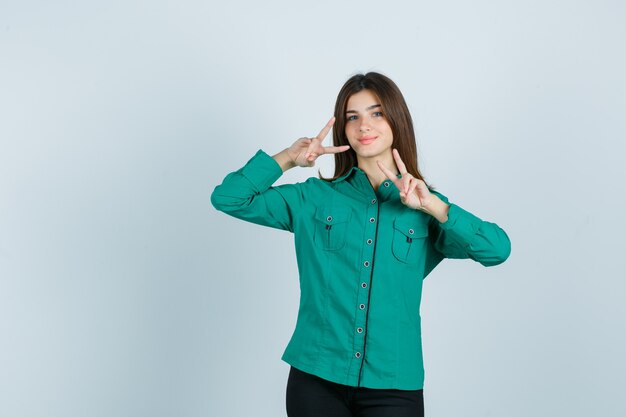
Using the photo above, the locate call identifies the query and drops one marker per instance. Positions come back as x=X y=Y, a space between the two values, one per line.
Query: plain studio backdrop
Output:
x=124 y=293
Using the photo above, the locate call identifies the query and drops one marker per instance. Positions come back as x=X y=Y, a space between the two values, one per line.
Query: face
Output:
x=367 y=129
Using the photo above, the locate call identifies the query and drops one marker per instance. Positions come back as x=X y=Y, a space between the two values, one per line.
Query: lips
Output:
x=366 y=140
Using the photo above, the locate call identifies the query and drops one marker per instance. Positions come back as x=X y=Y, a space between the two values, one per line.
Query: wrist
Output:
x=284 y=160
x=437 y=208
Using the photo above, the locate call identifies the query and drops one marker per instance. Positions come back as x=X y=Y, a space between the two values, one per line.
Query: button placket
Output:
x=372 y=212
x=370 y=218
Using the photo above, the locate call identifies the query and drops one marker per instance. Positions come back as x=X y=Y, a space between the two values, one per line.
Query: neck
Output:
x=373 y=172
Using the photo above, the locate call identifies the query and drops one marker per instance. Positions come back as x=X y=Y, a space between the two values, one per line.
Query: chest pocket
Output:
x=409 y=238
x=331 y=227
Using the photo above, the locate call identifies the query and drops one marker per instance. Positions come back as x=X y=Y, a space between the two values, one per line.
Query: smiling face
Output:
x=367 y=129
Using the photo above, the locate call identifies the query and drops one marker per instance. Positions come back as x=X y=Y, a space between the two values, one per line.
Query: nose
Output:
x=365 y=125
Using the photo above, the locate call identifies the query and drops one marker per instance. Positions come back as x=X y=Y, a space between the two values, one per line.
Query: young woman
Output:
x=365 y=239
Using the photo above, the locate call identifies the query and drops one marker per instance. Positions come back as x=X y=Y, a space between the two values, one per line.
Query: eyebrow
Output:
x=373 y=106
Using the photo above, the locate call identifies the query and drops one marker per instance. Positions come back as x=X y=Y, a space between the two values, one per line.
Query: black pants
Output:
x=311 y=396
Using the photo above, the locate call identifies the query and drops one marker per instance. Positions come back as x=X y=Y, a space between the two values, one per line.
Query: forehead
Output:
x=362 y=100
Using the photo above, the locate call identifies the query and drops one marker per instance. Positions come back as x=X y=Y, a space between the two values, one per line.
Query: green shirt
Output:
x=362 y=256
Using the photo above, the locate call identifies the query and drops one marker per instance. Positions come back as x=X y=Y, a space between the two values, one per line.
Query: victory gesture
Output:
x=413 y=192
x=305 y=151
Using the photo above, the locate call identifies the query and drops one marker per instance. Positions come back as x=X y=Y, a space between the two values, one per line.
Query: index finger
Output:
x=335 y=149
x=326 y=129
x=390 y=175
x=399 y=163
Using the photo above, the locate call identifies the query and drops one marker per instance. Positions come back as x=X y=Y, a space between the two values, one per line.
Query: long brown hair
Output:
x=394 y=110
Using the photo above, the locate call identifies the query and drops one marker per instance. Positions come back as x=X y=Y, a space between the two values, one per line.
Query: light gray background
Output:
x=123 y=293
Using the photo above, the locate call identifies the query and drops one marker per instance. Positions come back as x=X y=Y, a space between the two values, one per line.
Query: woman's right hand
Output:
x=305 y=151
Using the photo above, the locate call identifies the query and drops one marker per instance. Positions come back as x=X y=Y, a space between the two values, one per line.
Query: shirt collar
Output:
x=350 y=172
x=346 y=175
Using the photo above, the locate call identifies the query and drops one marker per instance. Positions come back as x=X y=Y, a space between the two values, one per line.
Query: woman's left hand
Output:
x=413 y=192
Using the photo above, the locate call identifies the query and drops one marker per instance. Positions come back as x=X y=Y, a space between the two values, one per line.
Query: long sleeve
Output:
x=464 y=235
x=248 y=194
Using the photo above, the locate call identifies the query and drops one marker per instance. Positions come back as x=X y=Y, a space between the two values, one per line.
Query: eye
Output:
x=351 y=118
x=378 y=114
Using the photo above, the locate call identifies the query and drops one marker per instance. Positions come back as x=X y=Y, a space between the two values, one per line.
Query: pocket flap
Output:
x=412 y=228
x=333 y=215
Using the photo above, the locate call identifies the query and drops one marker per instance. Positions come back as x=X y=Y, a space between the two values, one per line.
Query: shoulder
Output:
x=318 y=183
x=310 y=188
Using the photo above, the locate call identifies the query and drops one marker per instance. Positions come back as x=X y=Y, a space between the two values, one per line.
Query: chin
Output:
x=369 y=155
x=372 y=152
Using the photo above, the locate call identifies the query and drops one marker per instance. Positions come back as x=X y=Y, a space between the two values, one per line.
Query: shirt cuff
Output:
x=262 y=170
x=462 y=224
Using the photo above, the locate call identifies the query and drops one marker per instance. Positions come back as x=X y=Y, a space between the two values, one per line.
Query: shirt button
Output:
x=386 y=184
x=369 y=241
x=329 y=218
x=359 y=330
x=364 y=285
x=372 y=220
x=411 y=231
x=366 y=264
x=357 y=355
x=362 y=306
x=374 y=201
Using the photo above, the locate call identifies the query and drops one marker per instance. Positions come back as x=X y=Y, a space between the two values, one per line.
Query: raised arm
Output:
x=454 y=232
x=248 y=193
x=464 y=235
